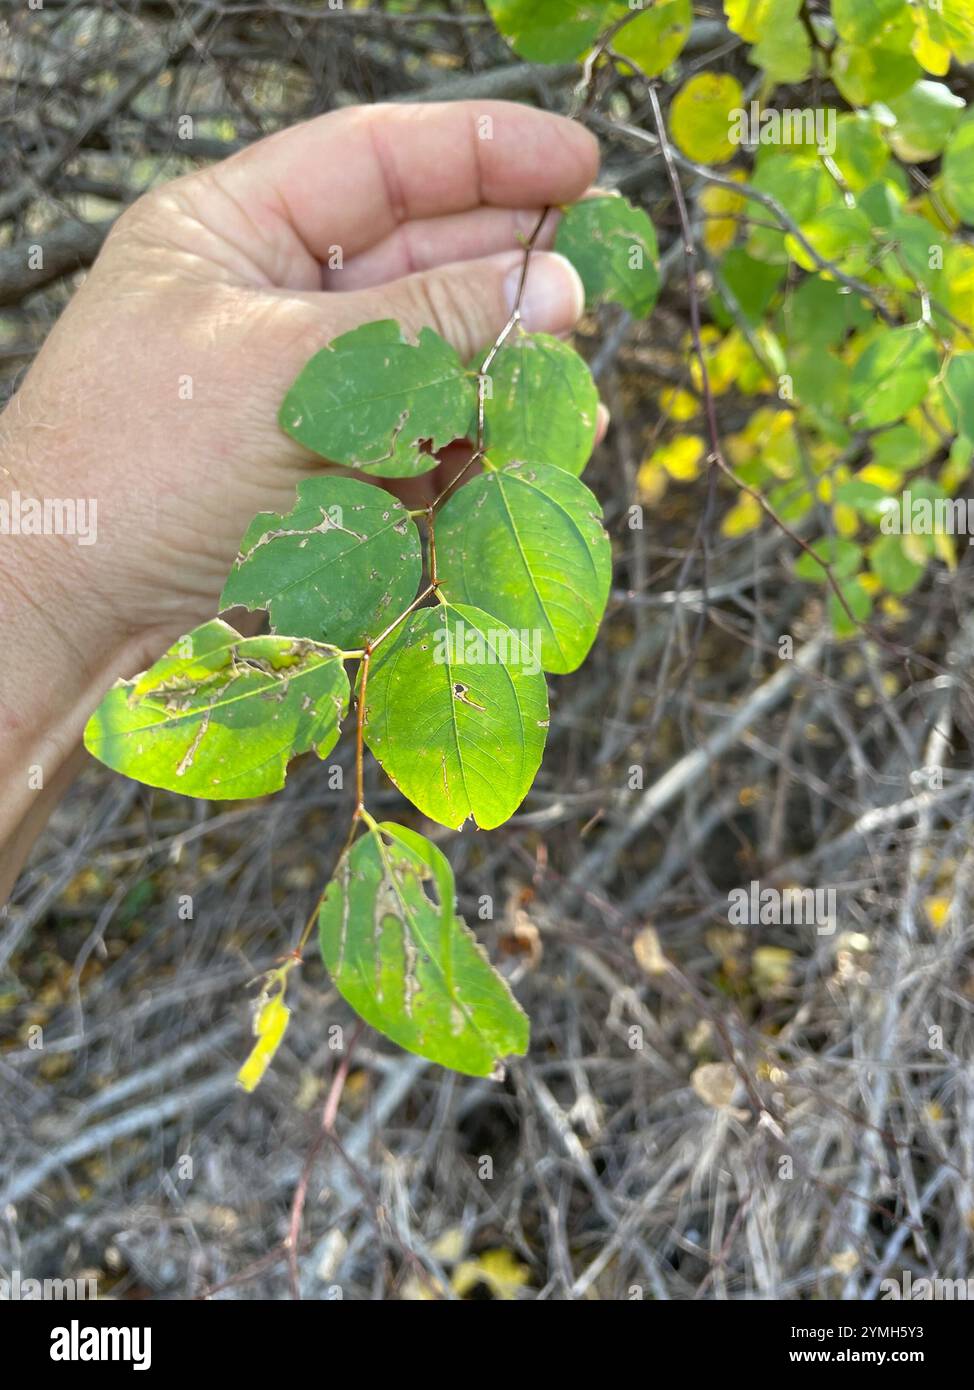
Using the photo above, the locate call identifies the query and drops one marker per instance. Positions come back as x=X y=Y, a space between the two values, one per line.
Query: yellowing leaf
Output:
x=722 y=210
x=504 y=1275
x=651 y=480
x=678 y=404
x=725 y=359
x=270 y=1023
x=937 y=910
x=681 y=457
x=744 y=516
x=893 y=609
x=700 y=116
x=886 y=478
x=846 y=519
x=749 y=19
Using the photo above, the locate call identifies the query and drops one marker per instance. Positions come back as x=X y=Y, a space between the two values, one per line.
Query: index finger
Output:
x=349 y=178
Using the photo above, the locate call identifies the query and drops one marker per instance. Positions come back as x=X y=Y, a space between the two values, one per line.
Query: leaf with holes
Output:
x=527 y=542
x=456 y=712
x=221 y=715
x=613 y=247
x=542 y=404
x=402 y=958
x=339 y=567
x=372 y=399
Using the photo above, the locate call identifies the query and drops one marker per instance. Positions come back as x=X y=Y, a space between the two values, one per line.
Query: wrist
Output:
x=61 y=648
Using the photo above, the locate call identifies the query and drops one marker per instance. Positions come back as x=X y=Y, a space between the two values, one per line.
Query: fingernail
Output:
x=553 y=297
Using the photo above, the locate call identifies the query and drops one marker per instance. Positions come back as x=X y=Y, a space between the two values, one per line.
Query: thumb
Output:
x=469 y=302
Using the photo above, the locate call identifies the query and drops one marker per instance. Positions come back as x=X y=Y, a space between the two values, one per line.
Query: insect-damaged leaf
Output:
x=613 y=247
x=527 y=542
x=456 y=712
x=220 y=715
x=542 y=404
x=339 y=567
x=371 y=398
x=402 y=958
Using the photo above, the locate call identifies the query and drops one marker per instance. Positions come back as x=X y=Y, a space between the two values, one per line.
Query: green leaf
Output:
x=859 y=602
x=864 y=23
x=799 y=183
x=901 y=448
x=892 y=376
x=752 y=283
x=657 y=37
x=958 y=170
x=558 y=31
x=897 y=573
x=402 y=958
x=868 y=499
x=220 y=715
x=613 y=247
x=784 y=53
x=820 y=313
x=836 y=233
x=821 y=383
x=959 y=392
x=339 y=567
x=751 y=20
x=868 y=73
x=874 y=62
x=862 y=154
x=842 y=556
x=910 y=248
x=543 y=404
x=783 y=47
x=456 y=712
x=920 y=121
x=371 y=398
x=550 y=31
x=527 y=544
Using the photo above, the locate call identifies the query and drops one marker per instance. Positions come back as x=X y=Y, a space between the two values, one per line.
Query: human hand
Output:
x=156 y=394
